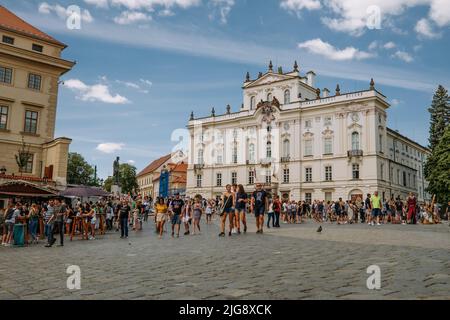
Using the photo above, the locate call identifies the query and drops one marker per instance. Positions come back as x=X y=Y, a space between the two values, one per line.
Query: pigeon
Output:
x=320 y=229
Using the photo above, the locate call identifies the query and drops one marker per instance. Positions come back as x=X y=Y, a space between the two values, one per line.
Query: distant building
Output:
x=30 y=68
x=304 y=143
x=177 y=178
x=145 y=177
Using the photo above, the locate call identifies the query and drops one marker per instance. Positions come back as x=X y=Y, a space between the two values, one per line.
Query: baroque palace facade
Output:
x=303 y=143
x=30 y=67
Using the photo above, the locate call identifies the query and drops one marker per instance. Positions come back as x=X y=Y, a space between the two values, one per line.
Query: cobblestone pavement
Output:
x=294 y=262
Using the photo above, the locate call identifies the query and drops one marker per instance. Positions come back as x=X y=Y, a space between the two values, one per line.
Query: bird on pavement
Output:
x=320 y=229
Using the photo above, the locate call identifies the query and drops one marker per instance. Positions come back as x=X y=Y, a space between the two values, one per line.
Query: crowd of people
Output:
x=42 y=220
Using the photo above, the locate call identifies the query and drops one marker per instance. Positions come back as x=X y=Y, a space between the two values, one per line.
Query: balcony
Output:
x=198 y=167
x=354 y=153
x=285 y=159
x=266 y=162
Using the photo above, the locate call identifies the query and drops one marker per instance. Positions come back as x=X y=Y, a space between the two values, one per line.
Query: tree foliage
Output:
x=439 y=115
x=127 y=177
x=79 y=171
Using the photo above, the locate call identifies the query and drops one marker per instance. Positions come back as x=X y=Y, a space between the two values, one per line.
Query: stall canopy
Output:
x=84 y=192
x=20 y=188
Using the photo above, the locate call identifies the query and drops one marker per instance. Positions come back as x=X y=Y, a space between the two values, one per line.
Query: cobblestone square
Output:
x=293 y=262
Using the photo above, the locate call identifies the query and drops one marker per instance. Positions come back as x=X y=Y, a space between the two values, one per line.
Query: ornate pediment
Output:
x=268 y=109
x=308 y=135
x=268 y=78
x=328 y=133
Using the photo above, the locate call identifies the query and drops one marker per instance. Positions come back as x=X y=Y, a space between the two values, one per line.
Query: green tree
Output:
x=108 y=183
x=127 y=178
x=439 y=115
x=439 y=169
x=79 y=171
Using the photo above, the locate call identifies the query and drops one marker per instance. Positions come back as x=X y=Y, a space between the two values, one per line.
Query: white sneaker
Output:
x=378 y=224
x=372 y=223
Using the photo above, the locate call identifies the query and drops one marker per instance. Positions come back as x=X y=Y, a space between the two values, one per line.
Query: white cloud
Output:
x=110 y=147
x=389 y=45
x=325 y=49
x=166 y=13
x=129 y=17
x=132 y=162
x=402 y=55
x=98 y=3
x=150 y=5
x=424 y=29
x=97 y=92
x=350 y=16
x=142 y=86
x=373 y=45
x=62 y=12
x=296 y=6
x=221 y=8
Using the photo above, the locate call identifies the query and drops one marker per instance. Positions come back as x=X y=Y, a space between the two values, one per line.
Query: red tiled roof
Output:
x=181 y=179
x=178 y=167
x=11 y=22
x=154 y=165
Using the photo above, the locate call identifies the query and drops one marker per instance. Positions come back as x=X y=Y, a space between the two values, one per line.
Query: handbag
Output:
x=222 y=210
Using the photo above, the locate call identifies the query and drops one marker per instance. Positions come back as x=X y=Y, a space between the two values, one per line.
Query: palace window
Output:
x=8 y=40
x=251 y=152
x=234 y=178
x=355 y=171
x=286 y=147
x=218 y=180
x=328 y=196
x=328 y=173
x=308 y=197
x=308 y=174
x=308 y=147
x=268 y=176
x=308 y=124
x=235 y=154
x=199 y=181
x=37 y=47
x=382 y=171
x=404 y=178
x=381 y=142
x=34 y=81
x=3 y=117
x=252 y=102
x=200 y=156
x=29 y=166
x=269 y=149
x=328 y=145
x=31 y=119
x=219 y=157
x=251 y=177
x=327 y=121
x=5 y=75
x=287 y=97
x=285 y=175
x=355 y=141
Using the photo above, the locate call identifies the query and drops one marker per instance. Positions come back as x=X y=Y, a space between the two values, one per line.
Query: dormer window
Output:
x=8 y=40
x=287 y=97
x=37 y=47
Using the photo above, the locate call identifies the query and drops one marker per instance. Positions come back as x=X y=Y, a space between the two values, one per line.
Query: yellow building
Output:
x=30 y=68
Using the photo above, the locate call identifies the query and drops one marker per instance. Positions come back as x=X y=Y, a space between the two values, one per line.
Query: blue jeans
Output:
x=271 y=217
x=33 y=228
x=124 y=227
x=49 y=232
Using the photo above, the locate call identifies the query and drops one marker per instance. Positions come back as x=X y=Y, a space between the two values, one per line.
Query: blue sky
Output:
x=144 y=65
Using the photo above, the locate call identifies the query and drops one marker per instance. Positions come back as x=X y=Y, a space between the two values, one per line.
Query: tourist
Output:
x=187 y=216
x=411 y=204
x=227 y=210
x=49 y=223
x=375 y=204
x=197 y=211
x=161 y=211
x=9 y=226
x=124 y=215
x=259 y=206
x=33 y=218
x=367 y=208
x=277 y=210
x=241 y=203
x=176 y=207
x=234 y=215
x=109 y=216
x=209 y=211
x=92 y=218
x=270 y=214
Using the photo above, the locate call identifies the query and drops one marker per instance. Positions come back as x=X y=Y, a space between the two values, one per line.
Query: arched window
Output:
x=286 y=147
x=269 y=149
x=251 y=152
x=252 y=102
x=287 y=97
x=355 y=141
x=269 y=97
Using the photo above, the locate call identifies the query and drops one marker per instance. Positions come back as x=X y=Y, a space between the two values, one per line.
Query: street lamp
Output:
x=3 y=170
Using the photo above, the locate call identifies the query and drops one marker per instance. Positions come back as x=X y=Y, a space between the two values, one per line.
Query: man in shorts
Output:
x=375 y=202
x=176 y=207
x=260 y=205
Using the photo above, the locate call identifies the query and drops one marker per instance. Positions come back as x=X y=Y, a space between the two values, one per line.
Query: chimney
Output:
x=326 y=93
x=311 y=76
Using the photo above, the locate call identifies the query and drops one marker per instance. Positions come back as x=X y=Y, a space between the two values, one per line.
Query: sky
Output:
x=142 y=66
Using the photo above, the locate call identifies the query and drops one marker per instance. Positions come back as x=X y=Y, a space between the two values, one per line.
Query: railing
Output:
x=285 y=159
x=354 y=153
x=266 y=161
x=198 y=166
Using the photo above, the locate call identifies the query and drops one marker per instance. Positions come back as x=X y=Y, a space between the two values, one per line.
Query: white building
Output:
x=304 y=143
